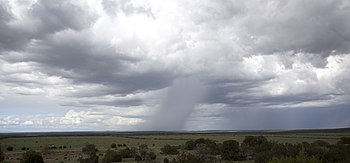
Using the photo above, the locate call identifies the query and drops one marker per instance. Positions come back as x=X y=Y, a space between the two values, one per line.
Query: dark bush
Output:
x=89 y=149
x=320 y=143
x=138 y=158
x=2 y=155
x=344 y=140
x=191 y=144
x=166 y=160
x=230 y=150
x=263 y=156
x=188 y=158
x=253 y=141
x=295 y=160
x=338 y=153
x=127 y=152
x=113 y=145
x=147 y=156
x=9 y=148
x=112 y=156
x=168 y=149
x=204 y=152
x=153 y=155
x=32 y=157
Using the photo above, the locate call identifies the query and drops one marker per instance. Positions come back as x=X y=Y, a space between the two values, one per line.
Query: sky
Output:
x=127 y=65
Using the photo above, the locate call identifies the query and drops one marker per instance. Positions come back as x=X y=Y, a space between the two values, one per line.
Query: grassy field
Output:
x=155 y=141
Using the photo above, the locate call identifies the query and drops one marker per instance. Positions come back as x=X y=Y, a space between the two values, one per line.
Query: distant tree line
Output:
x=259 y=149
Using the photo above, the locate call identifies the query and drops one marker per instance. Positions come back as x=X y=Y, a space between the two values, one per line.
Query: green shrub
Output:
x=230 y=150
x=127 y=152
x=170 y=150
x=344 y=140
x=298 y=159
x=188 y=158
x=90 y=150
x=9 y=148
x=166 y=160
x=113 y=145
x=112 y=156
x=253 y=141
x=32 y=157
x=138 y=158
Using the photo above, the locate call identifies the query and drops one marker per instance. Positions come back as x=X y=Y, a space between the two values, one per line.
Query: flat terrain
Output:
x=72 y=145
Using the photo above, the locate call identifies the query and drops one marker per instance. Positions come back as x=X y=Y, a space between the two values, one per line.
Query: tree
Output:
x=230 y=150
x=113 y=145
x=90 y=150
x=168 y=149
x=147 y=156
x=203 y=152
x=32 y=157
x=112 y=156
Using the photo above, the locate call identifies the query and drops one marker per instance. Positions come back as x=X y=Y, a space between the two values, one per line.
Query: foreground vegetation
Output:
x=181 y=148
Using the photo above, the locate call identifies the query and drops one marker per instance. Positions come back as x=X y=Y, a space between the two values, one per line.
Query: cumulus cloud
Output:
x=126 y=56
x=72 y=120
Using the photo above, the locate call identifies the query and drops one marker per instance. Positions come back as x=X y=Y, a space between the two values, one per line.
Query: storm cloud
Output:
x=127 y=62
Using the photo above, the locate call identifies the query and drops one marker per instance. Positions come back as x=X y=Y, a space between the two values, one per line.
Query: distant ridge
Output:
x=128 y=133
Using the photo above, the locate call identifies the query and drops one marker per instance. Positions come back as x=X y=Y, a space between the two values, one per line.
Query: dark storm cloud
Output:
x=99 y=64
x=9 y=38
x=57 y=15
x=39 y=20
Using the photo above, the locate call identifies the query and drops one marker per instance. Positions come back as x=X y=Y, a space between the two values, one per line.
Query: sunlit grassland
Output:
x=74 y=144
x=158 y=140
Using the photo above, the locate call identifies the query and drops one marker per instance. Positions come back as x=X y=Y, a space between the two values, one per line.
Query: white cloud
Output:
x=72 y=120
